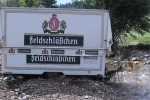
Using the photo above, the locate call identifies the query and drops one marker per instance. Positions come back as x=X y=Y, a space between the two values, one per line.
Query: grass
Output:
x=145 y=39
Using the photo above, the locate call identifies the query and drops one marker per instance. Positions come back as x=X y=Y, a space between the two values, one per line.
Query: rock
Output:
x=146 y=55
x=55 y=95
x=1 y=78
x=96 y=84
x=5 y=78
x=16 y=93
x=115 y=61
x=13 y=98
x=63 y=83
x=145 y=59
x=19 y=98
x=147 y=62
x=86 y=97
x=9 y=78
x=12 y=92
x=25 y=97
x=16 y=90
x=134 y=58
x=23 y=94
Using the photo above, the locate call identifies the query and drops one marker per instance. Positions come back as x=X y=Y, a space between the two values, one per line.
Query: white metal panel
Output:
x=93 y=25
x=20 y=62
x=20 y=23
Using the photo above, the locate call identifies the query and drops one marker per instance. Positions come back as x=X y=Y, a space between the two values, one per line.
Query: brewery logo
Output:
x=54 y=25
x=54 y=30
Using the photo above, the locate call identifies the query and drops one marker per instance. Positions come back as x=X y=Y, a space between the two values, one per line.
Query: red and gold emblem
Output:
x=54 y=25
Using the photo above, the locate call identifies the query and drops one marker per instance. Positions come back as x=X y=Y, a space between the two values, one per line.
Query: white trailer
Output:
x=39 y=40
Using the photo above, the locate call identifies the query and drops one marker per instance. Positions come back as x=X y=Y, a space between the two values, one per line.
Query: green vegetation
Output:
x=28 y=3
x=48 y=3
x=126 y=16
x=139 y=39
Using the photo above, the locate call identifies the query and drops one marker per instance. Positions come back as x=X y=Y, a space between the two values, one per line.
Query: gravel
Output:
x=123 y=86
x=55 y=88
x=130 y=86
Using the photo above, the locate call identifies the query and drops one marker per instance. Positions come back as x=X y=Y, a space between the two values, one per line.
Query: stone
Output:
x=86 y=97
